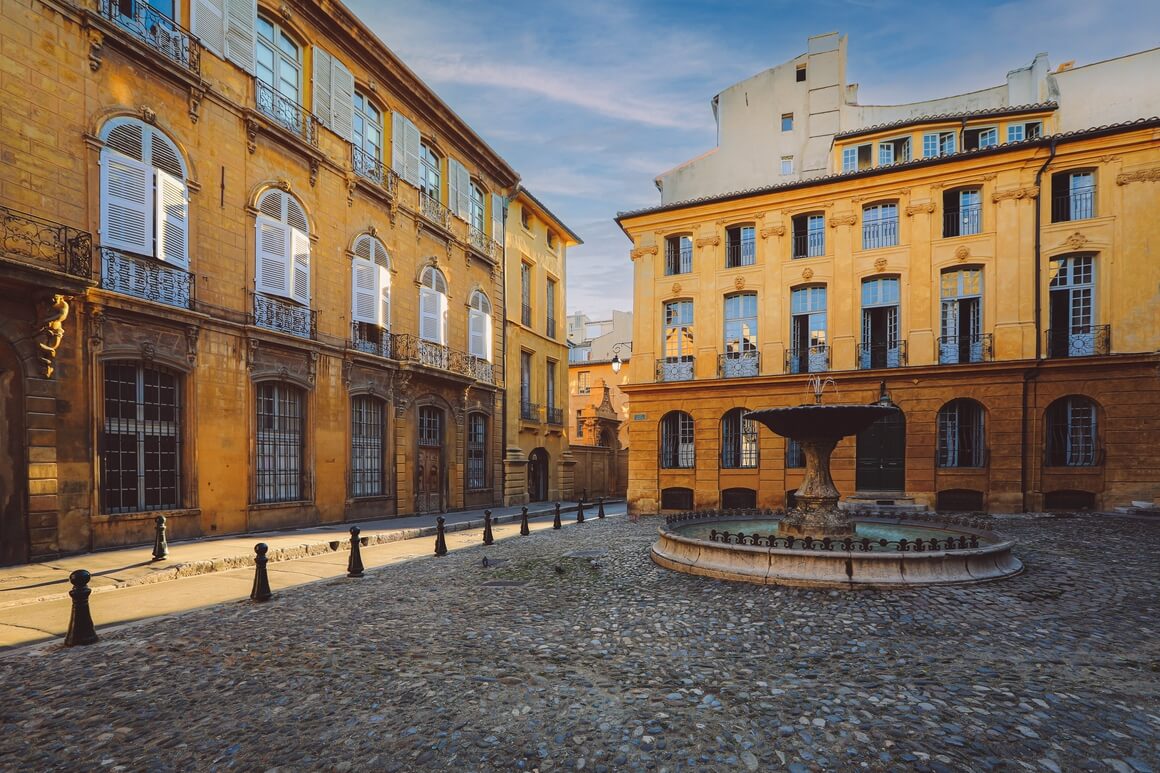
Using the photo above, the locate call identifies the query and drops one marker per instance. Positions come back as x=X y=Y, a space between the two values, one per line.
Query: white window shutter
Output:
x=398 y=153
x=487 y=337
x=428 y=314
x=497 y=217
x=172 y=219
x=463 y=199
x=453 y=184
x=364 y=291
x=272 y=257
x=323 y=66
x=411 y=140
x=342 y=100
x=241 y=20
x=300 y=252
x=384 y=297
x=126 y=203
x=475 y=333
x=208 y=23
x=441 y=299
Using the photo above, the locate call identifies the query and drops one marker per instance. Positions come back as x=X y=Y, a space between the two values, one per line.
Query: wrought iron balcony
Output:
x=963 y=222
x=739 y=364
x=156 y=30
x=430 y=208
x=556 y=416
x=953 y=350
x=42 y=243
x=1080 y=204
x=740 y=254
x=145 y=278
x=529 y=411
x=811 y=359
x=480 y=369
x=370 y=339
x=679 y=261
x=285 y=112
x=891 y=354
x=809 y=245
x=284 y=316
x=1084 y=341
x=482 y=243
x=675 y=368
x=411 y=348
x=370 y=168
x=880 y=233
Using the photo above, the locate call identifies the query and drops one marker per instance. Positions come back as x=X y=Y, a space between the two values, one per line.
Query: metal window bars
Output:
x=145 y=278
x=739 y=364
x=891 y=354
x=953 y=350
x=367 y=430
x=675 y=368
x=285 y=112
x=284 y=317
x=433 y=210
x=370 y=168
x=1079 y=341
x=33 y=240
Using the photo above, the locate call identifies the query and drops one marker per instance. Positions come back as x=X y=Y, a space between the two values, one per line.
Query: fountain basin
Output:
x=820 y=421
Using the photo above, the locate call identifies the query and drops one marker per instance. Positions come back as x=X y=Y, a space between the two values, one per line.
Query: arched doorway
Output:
x=13 y=471
x=881 y=465
x=538 y=475
x=429 y=461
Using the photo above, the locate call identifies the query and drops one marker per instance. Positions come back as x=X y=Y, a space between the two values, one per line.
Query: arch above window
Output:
x=370 y=282
x=433 y=278
x=370 y=247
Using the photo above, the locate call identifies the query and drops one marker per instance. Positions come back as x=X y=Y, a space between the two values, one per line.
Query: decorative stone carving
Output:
x=284 y=11
x=807 y=274
x=709 y=241
x=962 y=253
x=773 y=230
x=739 y=283
x=192 y=332
x=312 y=367
x=915 y=209
x=1108 y=159
x=1139 y=176
x=50 y=330
x=402 y=393
x=837 y=220
x=196 y=95
x=314 y=164
x=251 y=135
x=282 y=184
x=148 y=115
x=1076 y=241
x=148 y=351
x=880 y=265
x=1028 y=192
x=642 y=251
x=97 y=327
x=96 y=43
x=676 y=288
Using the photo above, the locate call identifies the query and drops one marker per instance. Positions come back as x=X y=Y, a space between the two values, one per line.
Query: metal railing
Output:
x=145 y=278
x=556 y=416
x=809 y=245
x=370 y=168
x=430 y=208
x=408 y=347
x=880 y=233
x=529 y=411
x=1078 y=205
x=370 y=339
x=679 y=261
x=742 y=254
x=156 y=30
x=284 y=316
x=963 y=222
x=675 y=368
x=29 y=239
x=811 y=359
x=481 y=369
x=285 y=111
x=739 y=364
x=953 y=350
x=482 y=243
x=891 y=354
x=1086 y=341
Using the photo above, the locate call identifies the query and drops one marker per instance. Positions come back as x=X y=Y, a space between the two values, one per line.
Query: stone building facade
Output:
x=246 y=258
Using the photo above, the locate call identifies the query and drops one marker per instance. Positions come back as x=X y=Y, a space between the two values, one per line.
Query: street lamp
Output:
x=616 y=363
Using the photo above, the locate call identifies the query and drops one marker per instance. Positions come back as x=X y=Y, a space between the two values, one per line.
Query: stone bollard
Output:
x=80 y=623
x=556 y=519
x=354 y=567
x=580 y=511
x=524 y=530
x=487 y=538
x=160 y=545
x=261 y=590
x=440 y=537
x=600 y=511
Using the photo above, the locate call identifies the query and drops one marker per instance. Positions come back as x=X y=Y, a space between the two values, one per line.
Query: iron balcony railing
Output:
x=891 y=354
x=740 y=254
x=1080 y=204
x=370 y=168
x=284 y=316
x=145 y=278
x=156 y=30
x=811 y=359
x=38 y=242
x=675 y=368
x=480 y=369
x=526 y=314
x=408 y=347
x=739 y=364
x=809 y=245
x=529 y=411
x=880 y=233
x=482 y=243
x=679 y=261
x=370 y=339
x=285 y=111
x=1082 y=341
x=556 y=416
x=963 y=222
x=431 y=209
x=953 y=350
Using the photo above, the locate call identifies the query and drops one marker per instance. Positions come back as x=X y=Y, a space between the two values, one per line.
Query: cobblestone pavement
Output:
x=571 y=650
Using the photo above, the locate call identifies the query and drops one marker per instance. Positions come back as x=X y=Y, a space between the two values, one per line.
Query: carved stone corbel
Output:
x=192 y=332
x=96 y=43
x=773 y=230
x=838 y=220
x=314 y=164
x=709 y=241
x=312 y=368
x=347 y=367
x=1139 y=176
x=97 y=327
x=915 y=209
x=642 y=251
x=196 y=95
x=402 y=393
x=252 y=135
x=252 y=347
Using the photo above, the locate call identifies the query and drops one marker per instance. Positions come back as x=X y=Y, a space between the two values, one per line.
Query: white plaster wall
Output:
x=1111 y=91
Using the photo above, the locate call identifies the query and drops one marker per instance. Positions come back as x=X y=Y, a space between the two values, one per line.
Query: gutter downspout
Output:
x=503 y=343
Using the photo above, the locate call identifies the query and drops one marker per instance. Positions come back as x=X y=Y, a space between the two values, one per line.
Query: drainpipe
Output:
x=503 y=343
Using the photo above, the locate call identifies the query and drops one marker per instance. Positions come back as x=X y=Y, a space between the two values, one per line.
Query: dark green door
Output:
x=882 y=455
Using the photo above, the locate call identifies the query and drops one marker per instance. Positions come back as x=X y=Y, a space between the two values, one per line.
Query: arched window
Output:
x=738 y=440
x=283 y=247
x=961 y=438
x=1071 y=432
x=278 y=65
x=433 y=306
x=479 y=326
x=677 y=450
x=280 y=450
x=740 y=355
x=476 y=451
x=144 y=193
x=368 y=430
x=371 y=295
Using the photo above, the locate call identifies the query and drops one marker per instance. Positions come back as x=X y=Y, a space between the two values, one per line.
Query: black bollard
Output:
x=261 y=590
x=524 y=530
x=487 y=538
x=580 y=511
x=354 y=567
x=556 y=519
x=440 y=538
x=80 y=623
x=600 y=511
x=160 y=546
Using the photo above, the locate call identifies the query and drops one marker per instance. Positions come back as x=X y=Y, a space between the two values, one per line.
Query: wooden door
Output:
x=882 y=455
x=13 y=471
x=428 y=496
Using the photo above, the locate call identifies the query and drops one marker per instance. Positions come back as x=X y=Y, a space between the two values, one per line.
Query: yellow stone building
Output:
x=991 y=275
x=249 y=273
x=537 y=461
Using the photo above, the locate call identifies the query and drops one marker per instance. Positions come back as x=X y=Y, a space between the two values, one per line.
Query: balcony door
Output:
x=881 y=464
x=809 y=352
x=13 y=470
x=880 y=345
x=962 y=317
x=1070 y=331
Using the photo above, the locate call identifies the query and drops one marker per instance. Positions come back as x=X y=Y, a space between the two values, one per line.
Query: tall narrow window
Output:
x=371 y=296
x=433 y=306
x=962 y=212
x=677 y=449
x=141 y=443
x=962 y=337
x=740 y=340
x=584 y=382
x=960 y=434
x=477 y=213
x=809 y=235
x=1072 y=331
x=476 y=451
x=740 y=246
x=787 y=122
x=528 y=409
x=738 y=440
x=550 y=386
x=279 y=68
x=678 y=341
x=1073 y=196
x=367 y=142
x=283 y=247
x=429 y=173
x=479 y=329
x=1071 y=432
x=430 y=426
x=879 y=226
x=526 y=294
x=279 y=467
x=794 y=456
x=550 y=299
x=678 y=255
x=881 y=347
x=809 y=351
x=367 y=450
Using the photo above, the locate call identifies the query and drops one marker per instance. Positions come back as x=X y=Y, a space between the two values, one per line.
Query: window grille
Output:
x=960 y=434
x=476 y=451
x=1071 y=433
x=280 y=449
x=794 y=456
x=141 y=444
x=677 y=449
x=367 y=430
x=738 y=440
x=430 y=426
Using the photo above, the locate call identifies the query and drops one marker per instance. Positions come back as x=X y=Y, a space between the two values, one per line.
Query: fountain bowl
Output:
x=821 y=421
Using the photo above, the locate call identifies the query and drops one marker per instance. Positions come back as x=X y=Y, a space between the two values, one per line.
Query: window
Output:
x=283 y=247
x=1071 y=432
x=962 y=337
x=430 y=426
x=809 y=352
x=476 y=451
x=677 y=451
x=786 y=165
x=526 y=218
x=141 y=442
x=333 y=98
x=880 y=346
x=479 y=326
x=579 y=425
x=584 y=382
x=229 y=35
x=960 y=434
x=550 y=297
x=1017 y=132
x=367 y=139
x=857 y=158
x=1071 y=309
x=550 y=235
x=370 y=295
x=279 y=467
x=368 y=428
x=278 y=64
x=800 y=73
x=938 y=144
x=1073 y=195
x=526 y=294
x=740 y=246
x=794 y=456
x=893 y=151
x=962 y=212
x=528 y=410
x=477 y=215
x=550 y=384
x=738 y=440
x=430 y=182
x=787 y=122
x=678 y=255
x=879 y=226
x=433 y=306
x=678 y=341
x=978 y=139
x=740 y=356
x=809 y=235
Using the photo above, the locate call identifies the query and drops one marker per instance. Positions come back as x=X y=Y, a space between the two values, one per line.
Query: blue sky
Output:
x=589 y=101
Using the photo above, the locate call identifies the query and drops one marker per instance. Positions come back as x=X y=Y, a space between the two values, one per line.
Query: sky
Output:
x=589 y=101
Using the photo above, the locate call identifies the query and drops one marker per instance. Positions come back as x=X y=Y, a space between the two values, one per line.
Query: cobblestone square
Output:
x=571 y=650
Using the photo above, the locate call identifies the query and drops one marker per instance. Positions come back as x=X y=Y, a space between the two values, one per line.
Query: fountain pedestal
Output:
x=816 y=512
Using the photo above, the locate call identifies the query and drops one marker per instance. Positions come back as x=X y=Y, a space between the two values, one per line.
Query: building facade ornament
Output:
x=676 y=288
x=880 y=265
x=1076 y=241
x=962 y=253
x=50 y=331
x=196 y=95
x=739 y=283
x=1139 y=176
x=709 y=241
x=96 y=43
x=1028 y=192
x=837 y=220
x=773 y=230
x=807 y=274
x=642 y=251
x=915 y=209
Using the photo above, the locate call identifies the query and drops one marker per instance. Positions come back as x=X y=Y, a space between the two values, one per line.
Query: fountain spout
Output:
x=817 y=385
